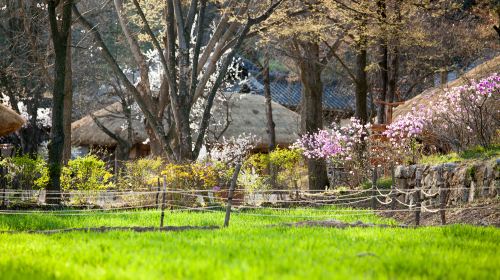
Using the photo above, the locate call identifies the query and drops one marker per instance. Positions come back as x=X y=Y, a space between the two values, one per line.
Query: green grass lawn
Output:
x=249 y=249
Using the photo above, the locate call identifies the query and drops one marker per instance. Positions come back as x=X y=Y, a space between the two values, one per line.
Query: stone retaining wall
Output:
x=462 y=182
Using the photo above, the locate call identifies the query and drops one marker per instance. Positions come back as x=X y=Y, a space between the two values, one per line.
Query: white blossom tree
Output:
x=194 y=63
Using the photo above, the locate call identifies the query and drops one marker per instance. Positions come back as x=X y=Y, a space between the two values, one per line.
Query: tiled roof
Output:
x=290 y=94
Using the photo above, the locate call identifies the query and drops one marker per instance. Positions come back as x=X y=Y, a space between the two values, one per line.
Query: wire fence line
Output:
x=242 y=202
x=266 y=196
x=350 y=192
x=309 y=204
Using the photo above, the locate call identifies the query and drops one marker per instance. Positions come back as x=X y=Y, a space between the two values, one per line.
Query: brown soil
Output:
x=105 y=229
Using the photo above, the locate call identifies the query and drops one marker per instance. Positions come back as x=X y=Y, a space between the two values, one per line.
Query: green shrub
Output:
x=259 y=163
x=86 y=173
x=285 y=159
x=193 y=176
x=256 y=173
x=27 y=172
x=139 y=173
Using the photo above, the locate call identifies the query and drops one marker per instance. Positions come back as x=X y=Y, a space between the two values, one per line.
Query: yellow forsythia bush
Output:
x=86 y=173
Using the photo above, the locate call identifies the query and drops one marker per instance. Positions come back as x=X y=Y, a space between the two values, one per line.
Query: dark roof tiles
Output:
x=290 y=94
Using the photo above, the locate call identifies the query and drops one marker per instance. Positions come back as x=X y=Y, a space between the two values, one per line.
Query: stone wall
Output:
x=459 y=182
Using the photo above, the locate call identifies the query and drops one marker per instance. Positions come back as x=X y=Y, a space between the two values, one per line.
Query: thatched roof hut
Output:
x=247 y=114
x=434 y=94
x=10 y=121
x=85 y=132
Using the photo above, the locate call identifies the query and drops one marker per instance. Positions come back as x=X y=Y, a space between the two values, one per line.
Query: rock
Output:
x=400 y=172
x=427 y=182
x=411 y=171
x=450 y=166
x=483 y=223
x=465 y=181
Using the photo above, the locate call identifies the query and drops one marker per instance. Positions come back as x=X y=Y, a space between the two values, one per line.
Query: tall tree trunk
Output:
x=394 y=58
x=154 y=143
x=361 y=86
x=269 y=109
x=59 y=40
x=383 y=63
x=122 y=152
x=443 y=77
x=312 y=110
x=271 y=133
x=31 y=134
x=393 y=77
x=185 y=139
x=68 y=103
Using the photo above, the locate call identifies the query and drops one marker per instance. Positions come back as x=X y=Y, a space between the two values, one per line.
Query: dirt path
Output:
x=106 y=229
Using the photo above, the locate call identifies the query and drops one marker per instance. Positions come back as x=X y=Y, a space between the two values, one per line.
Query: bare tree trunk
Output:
x=383 y=64
x=361 y=86
x=269 y=108
x=393 y=77
x=271 y=133
x=68 y=103
x=394 y=59
x=177 y=69
x=443 y=77
x=154 y=143
x=59 y=40
x=30 y=135
x=312 y=110
x=122 y=152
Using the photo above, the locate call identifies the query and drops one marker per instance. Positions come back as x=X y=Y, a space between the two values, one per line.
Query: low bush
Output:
x=255 y=174
x=194 y=176
x=25 y=172
x=86 y=173
x=138 y=174
x=462 y=117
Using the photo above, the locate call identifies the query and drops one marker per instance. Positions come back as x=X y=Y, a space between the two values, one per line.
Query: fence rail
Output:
x=162 y=197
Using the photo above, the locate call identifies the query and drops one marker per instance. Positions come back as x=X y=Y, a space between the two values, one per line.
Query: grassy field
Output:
x=249 y=249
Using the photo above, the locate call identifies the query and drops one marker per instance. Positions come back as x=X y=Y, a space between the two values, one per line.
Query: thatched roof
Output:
x=247 y=115
x=10 y=120
x=85 y=132
x=433 y=94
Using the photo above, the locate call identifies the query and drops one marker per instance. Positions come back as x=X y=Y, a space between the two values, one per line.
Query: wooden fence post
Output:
x=418 y=208
x=442 y=196
x=158 y=192
x=393 y=188
x=374 y=187
x=231 y=193
x=297 y=194
x=2 y=181
x=163 y=200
